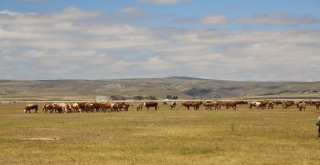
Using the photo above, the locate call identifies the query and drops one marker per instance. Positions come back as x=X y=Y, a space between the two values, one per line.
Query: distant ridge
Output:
x=182 y=86
x=185 y=78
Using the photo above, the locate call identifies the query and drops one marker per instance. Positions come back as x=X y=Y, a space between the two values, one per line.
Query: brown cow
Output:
x=231 y=104
x=287 y=104
x=209 y=105
x=187 y=104
x=30 y=107
x=106 y=106
x=151 y=104
x=125 y=106
x=194 y=104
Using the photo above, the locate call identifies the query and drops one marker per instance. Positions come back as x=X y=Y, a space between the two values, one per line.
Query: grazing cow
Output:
x=105 y=106
x=254 y=104
x=231 y=104
x=209 y=105
x=302 y=106
x=269 y=105
x=151 y=104
x=30 y=107
x=81 y=106
x=88 y=107
x=139 y=107
x=187 y=104
x=75 y=107
x=173 y=105
x=220 y=104
x=125 y=106
x=194 y=104
x=48 y=108
x=287 y=104
x=119 y=106
x=62 y=107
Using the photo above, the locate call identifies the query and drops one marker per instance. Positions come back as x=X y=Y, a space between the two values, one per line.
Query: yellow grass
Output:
x=159 y=137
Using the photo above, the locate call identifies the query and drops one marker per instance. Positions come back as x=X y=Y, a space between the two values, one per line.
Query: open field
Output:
x=160 y=137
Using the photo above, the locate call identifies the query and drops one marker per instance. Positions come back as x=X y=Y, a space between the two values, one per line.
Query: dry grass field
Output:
x=159 y=137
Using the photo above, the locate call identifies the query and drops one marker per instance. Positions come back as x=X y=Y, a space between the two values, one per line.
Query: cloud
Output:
x=163 y=2
x=76 y=43
x=214 y=19
x=278 y=19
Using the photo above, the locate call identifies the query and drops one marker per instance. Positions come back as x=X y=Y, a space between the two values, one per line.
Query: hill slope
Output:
x=183 y=87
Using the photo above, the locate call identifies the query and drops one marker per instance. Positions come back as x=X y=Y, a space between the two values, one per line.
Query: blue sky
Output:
x=101 y=39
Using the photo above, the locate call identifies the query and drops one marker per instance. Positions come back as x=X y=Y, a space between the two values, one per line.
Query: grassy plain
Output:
x=159 y=137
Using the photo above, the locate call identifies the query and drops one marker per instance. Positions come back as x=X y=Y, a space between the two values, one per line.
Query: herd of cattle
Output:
x=124 y=106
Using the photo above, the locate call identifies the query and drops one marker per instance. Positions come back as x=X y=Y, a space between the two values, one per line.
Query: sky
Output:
x=255 y=40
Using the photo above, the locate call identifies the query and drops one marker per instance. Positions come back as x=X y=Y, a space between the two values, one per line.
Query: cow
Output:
x=151 y=104
x=254 y=104
x=81 y=106
x=88 y=107
x=125 y=106
x=48 y=108
x=105 y=106
x=119 y=106
x=231 y=104
x=75 y=107
x=187 y=104
x=261 y=105
x=220 y=104
x=269 y=105
x=173 y=105
x=194 y=104
x=302 y=106
x=139 y=107
x=30 y=107
x=209 y=105
x=62 y=108
x=287 y=104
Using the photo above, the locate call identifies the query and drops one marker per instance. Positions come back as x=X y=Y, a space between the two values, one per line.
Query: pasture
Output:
x=160 y=137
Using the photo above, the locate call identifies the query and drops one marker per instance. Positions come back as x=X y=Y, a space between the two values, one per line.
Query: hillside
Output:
x=183 y=87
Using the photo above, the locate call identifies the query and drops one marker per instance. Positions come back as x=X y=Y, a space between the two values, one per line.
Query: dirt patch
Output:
x=42 y=138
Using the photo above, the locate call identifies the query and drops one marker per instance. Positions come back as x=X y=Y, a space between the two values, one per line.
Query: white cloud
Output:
x=214 y=19
x=278 y=19
x=75 y=43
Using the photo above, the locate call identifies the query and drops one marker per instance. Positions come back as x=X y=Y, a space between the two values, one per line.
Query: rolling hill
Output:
x=183 y=87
